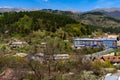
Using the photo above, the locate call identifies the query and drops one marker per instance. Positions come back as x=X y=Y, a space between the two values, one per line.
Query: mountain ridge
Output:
x=113 y=12
x=8 y=9
x=98 y=17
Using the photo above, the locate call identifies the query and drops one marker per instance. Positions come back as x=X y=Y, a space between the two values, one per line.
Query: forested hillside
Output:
x=24 y=23
x=94 y=20
x=99 y=19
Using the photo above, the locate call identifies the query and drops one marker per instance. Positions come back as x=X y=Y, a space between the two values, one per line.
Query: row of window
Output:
x=99 y=43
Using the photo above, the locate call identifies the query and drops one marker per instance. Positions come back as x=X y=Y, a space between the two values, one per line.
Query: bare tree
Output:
x=38 y=69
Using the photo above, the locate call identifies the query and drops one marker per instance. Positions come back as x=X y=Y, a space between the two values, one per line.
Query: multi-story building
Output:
x=100 y=42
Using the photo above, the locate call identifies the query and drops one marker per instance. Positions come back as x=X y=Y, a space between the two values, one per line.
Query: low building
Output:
x=21 y=54
x=89 y=42
x=115 y=60
x=41 y=57
x=38 y=57
x=112 y=59
x=61 y=56
x=17 y=44
x=113 y=36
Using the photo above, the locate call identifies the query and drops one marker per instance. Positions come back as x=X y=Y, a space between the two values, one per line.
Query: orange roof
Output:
x=99 y=60
x=111 y=58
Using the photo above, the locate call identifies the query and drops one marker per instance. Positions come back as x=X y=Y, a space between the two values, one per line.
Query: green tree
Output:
x=4 y=48
x=25 y=24
x=77 y=30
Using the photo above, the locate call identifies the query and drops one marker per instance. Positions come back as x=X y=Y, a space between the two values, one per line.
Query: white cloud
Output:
x=45 y=0
x=6 y=7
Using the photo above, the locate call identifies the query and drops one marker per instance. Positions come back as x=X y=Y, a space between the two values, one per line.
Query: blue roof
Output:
x=91 y=39
x=111 y=77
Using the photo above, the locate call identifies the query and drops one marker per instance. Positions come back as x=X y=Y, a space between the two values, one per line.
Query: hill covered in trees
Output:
x=99 y=19
x=24 y=23
x=95 y=20
x=55 y=22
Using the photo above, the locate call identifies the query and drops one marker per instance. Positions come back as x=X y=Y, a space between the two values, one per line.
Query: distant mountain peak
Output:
x=11 y=9
x=107 y=9
x=113 y=12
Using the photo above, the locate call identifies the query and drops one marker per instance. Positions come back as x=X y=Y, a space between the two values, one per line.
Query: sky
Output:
x=75 y=5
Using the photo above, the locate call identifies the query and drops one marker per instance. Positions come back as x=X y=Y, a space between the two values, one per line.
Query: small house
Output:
x=17 y=44
x=41 y=57
x=61 y=56
x=112 y=59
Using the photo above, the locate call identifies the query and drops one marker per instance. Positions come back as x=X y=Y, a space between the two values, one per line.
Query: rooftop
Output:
x=113 y=76
x=112 y=59
x=94 y=39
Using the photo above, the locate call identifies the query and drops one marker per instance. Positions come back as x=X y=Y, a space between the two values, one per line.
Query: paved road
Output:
x=99 y=54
